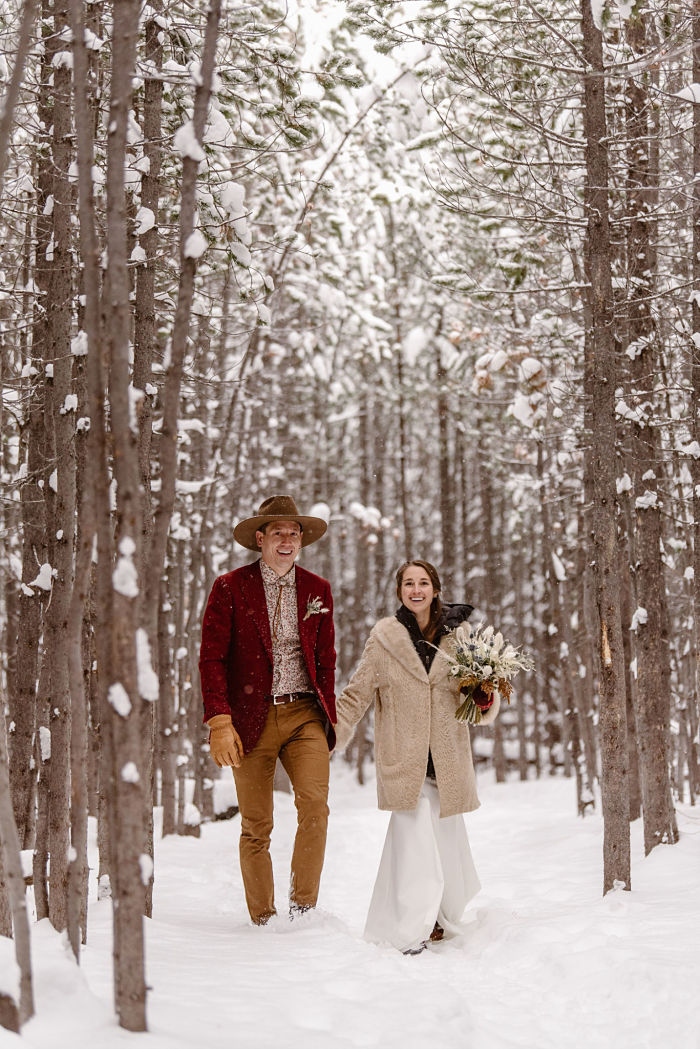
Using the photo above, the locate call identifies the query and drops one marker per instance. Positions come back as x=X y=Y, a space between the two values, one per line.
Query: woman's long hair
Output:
x=435 y=604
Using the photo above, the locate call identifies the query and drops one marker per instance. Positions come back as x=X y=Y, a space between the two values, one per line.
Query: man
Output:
x=267 y=665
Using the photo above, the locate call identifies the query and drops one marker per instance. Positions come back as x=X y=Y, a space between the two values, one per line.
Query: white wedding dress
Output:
x=426 y=874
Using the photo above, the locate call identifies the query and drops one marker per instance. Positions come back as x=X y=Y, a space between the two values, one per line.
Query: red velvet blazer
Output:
x=235 y=661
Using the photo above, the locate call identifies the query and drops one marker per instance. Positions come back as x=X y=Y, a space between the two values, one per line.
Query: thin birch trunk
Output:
x=557 y=693
x=125 y=792
x=167 y=722
x=173 y=377
x=446 y=479
x=520 y=706
x=34 y=490
x=145 y=338
x=403 y=450
x=9 y=101
x=600 y=344
x=89 y=251
x=42 y=757
x=695 y=366
x=23 y=689
x=492 y=598
x=653 y=686
x=14 y=880
x=56 y=634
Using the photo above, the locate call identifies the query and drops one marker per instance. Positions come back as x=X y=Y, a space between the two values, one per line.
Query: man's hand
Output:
x=225 y=744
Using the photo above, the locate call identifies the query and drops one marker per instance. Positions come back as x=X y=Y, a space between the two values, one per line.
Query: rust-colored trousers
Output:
x=295 y=733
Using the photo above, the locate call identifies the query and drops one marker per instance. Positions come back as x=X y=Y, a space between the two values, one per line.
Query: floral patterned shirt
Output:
x=289 y=673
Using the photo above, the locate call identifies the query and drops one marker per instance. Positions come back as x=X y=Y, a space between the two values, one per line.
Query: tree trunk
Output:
x=492 y=599
x=11 y=95
x=34 y=526
x=520 y=707
x=695 y=366
x=447 y=481
x=600 y=344
x=652 y=694
x=626 y=612
x=122 y=714
x=403 y=449
x=558 y=694
x=92 y=480
x=22 y=690
x=144 y=347
x=56 y=637
x=14 y=881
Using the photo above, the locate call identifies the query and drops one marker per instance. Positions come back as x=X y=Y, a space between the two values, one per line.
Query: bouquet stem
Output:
x=469 y=712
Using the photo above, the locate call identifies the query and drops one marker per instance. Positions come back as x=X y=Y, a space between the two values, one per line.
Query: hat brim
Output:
x=312 y=528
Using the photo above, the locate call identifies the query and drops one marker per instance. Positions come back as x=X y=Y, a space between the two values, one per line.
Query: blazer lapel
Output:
x=254 y=595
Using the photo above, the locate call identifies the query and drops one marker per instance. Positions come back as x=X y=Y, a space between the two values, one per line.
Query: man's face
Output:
x=280 y=544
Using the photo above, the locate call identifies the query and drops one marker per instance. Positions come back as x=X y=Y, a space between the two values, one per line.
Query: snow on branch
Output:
x=691 y=93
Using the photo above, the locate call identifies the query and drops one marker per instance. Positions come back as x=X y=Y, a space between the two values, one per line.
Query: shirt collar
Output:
x=272 y=579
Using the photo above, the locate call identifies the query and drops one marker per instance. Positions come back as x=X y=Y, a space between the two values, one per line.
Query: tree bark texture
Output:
x=600 y=343
x=11 y=95
x=653 y=687
x=56 y=636
x=122 y=712
x=14 y=881
x=93 y=470
x=695 y=363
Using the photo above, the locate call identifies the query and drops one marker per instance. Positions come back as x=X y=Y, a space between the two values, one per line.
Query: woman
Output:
x=425 y=775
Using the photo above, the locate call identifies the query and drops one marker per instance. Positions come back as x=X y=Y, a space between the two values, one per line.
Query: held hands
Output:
x=225 y=744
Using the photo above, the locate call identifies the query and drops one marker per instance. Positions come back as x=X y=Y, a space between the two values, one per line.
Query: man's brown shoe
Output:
x=437 y=933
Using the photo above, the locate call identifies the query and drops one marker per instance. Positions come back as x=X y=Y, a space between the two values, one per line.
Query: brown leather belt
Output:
x=290 y=697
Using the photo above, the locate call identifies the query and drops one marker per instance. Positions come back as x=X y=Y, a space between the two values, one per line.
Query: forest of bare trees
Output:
x=434 y=269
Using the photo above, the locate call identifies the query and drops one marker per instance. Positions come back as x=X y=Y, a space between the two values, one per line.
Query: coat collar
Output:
x=394 y=637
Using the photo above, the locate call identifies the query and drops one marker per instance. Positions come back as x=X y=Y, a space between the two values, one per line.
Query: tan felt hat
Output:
x=278 y=508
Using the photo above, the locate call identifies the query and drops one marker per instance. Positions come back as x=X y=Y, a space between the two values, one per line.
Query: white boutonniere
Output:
x=314 y=607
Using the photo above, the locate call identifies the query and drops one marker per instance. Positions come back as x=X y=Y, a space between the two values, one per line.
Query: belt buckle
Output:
x=279 y=700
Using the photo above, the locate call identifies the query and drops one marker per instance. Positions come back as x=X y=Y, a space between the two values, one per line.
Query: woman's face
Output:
x=416 y=590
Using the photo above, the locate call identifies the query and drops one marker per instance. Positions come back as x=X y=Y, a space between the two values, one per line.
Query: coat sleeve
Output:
x=359 y=693
x=216 y=640
x=492 y=713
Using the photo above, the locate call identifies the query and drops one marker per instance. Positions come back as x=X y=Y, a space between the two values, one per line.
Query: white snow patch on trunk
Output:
x=119 y=699
x=646 y=501
x=145 y=221
x=559 y=570
x=146 y=865
x=124 y=576
x=130 y=774
x=45 y=743
x=147 y=677
x=44 y=577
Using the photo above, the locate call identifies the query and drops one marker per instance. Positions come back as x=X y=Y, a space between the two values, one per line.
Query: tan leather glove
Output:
x=225 y=744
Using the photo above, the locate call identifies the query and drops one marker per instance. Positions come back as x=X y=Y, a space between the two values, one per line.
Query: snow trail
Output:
x=544 y=960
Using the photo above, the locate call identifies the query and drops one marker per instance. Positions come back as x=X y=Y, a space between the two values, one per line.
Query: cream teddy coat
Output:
x=414 y=712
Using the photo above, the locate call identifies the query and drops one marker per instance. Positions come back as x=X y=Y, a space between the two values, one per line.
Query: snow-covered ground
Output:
x=544 y=961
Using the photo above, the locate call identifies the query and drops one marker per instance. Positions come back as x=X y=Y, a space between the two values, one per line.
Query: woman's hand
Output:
x=482 y=698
